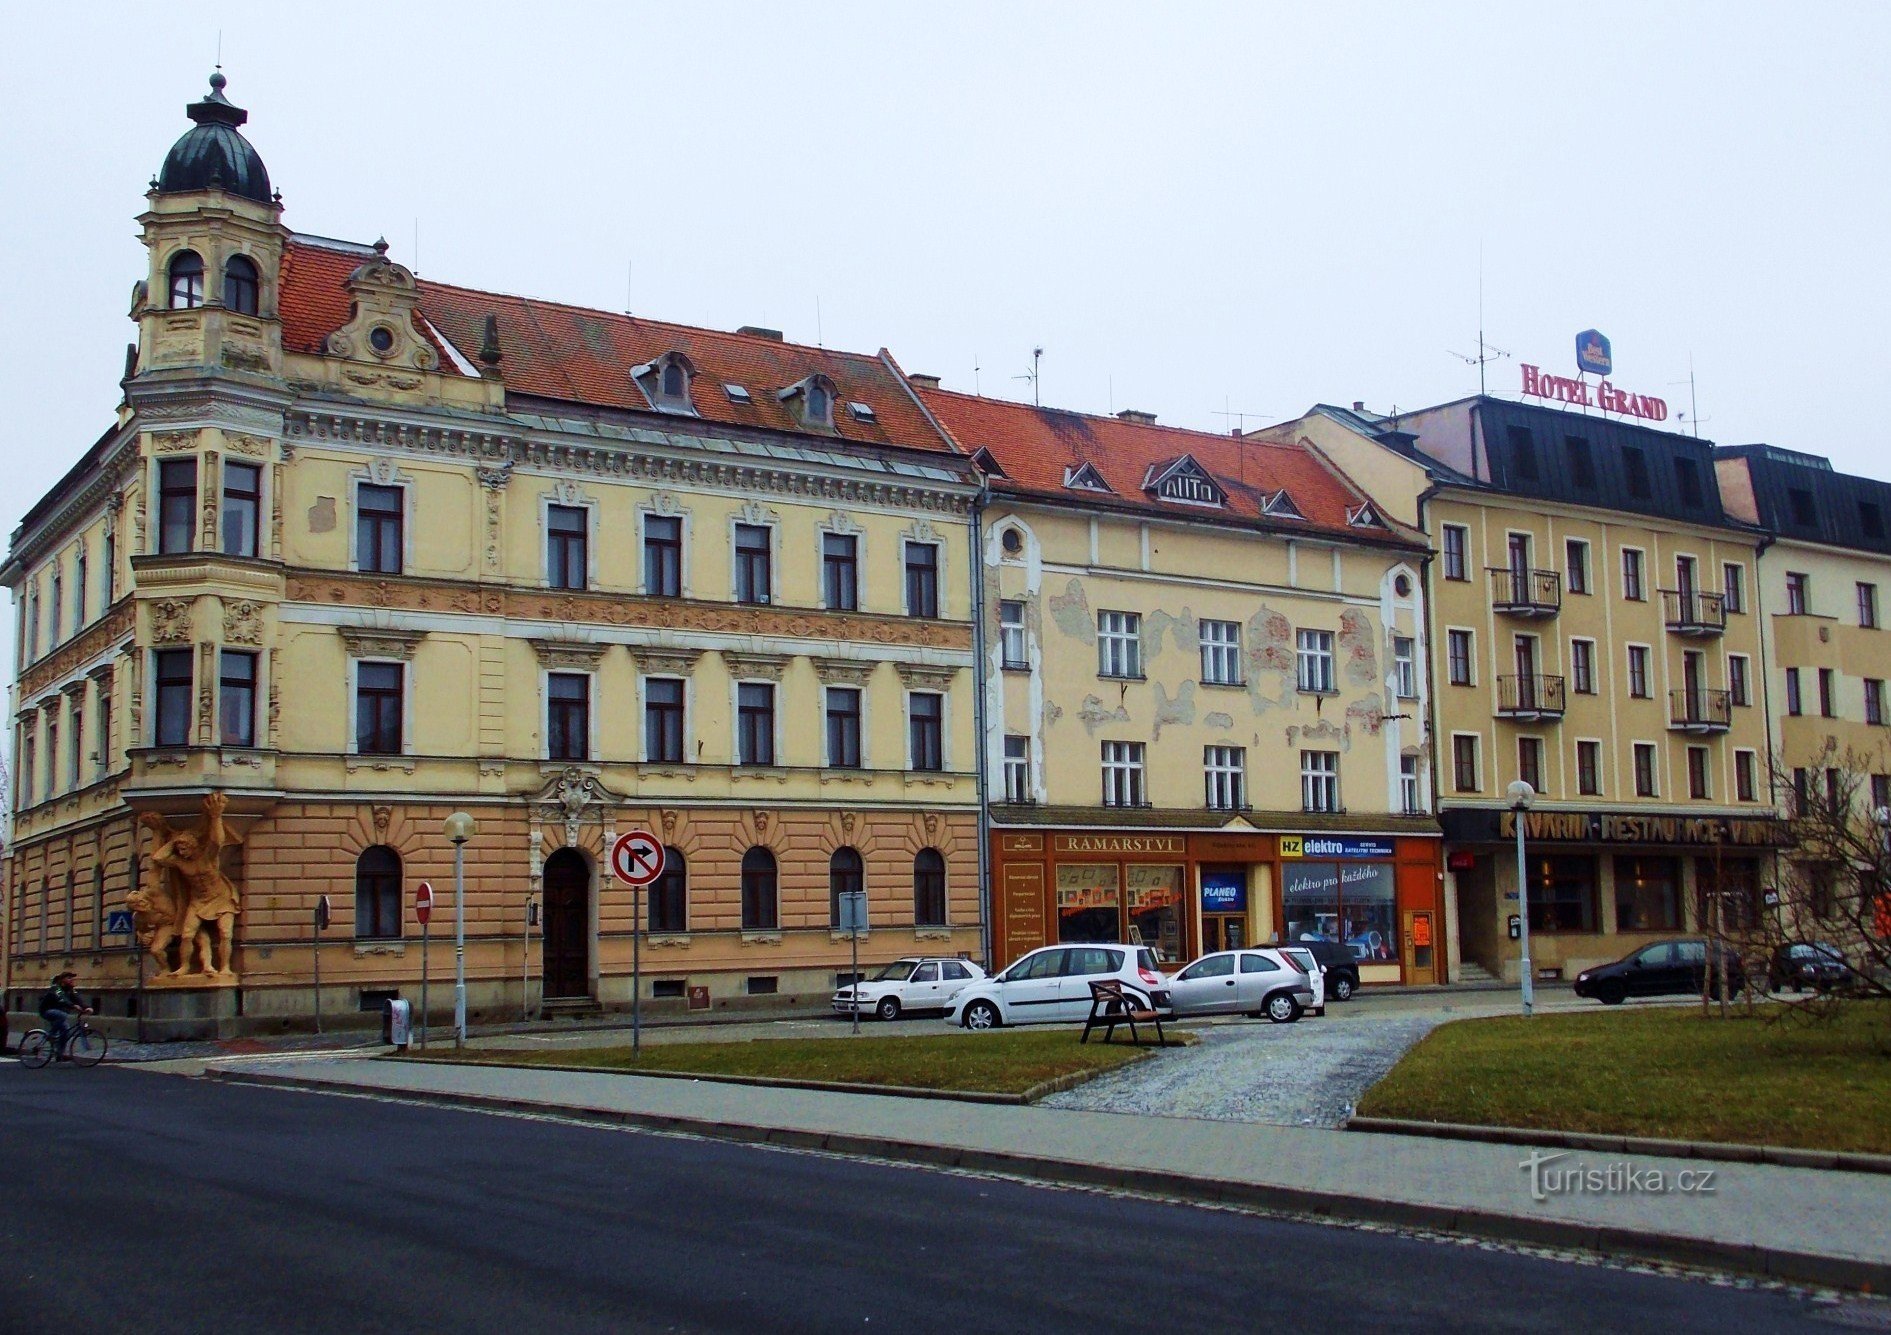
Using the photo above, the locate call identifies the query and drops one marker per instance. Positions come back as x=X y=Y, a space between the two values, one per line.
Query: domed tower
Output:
x=215 y=237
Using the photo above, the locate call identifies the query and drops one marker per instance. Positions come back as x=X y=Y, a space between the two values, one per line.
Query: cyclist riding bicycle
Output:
x=58 y=1004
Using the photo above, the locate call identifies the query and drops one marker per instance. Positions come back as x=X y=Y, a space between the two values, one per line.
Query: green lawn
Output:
x=1664 y=1072
x=1006 y=1062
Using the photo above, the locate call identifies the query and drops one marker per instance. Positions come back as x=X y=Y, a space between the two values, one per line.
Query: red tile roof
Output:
x=569 y=353
x=1038 y=447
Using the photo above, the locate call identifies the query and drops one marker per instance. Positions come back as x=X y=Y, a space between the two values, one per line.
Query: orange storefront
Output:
x=1184 y=893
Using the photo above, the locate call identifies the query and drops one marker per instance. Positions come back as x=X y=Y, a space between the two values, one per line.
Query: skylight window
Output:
x=862 y=412
x=737 y=393
x=1280 y=505
x=1084 y=477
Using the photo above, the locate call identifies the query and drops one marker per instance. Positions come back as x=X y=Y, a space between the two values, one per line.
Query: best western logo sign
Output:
x=1539 y=384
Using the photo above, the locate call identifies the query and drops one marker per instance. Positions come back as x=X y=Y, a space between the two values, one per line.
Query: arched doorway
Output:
x=567 y=963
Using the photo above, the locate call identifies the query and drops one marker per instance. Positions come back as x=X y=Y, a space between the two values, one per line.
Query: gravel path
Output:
x=1310 y=1073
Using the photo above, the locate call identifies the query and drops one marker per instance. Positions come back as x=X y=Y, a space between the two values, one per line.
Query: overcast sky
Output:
x=1192 y=208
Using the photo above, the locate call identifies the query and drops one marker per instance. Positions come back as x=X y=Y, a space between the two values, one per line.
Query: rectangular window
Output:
x=1457 y=541
x=1119 y=644
x=104 y=727
x=567 y=560
x=1647 y=894
x=1122 y=774
x=925 y=730
x=1563 y=894
x=1576 y=565
x=1632 y=575
x=1795 y=704
x=177 y=505
x=1221 y=652
x=1798 y=593
x=23 y=785
x=663 y=720
x=1224 y=772
x=1834 y=788
x=1582 y=464
x=1530 y=761
x=1874 y=700
x=1523 y=452
x=1880 y=792
x=242 y=508
x=1739 y=683
x=52 y=752
x=1635 y=465
x=755 y=723
x=1319 y=781
x=1405 y=667
x=840 y=571
x=75 y=762
x=1644 y=769
x=378 y=691
x=1638 y=671
x=1582 y=666
x=1458 y=656
x=1687 y=477
x=1011 y=640
x=1805 y=514
x=1826 y=709
x=79 y=580
x=171 y=679
x=1801 y=791
x=843 y=727
x=59 y=606
x=236 y=698
x=380 y=524
x=1867 y=605
x=111 y=567
x=922 y=579
x=754 y=574
x=1589 y=769
x=663 y=556
x=1697 y=779
x=1017 y=768
x=1733 y=584
x=1745 y=787
x=568 y=716
x=1408 y=786
x=1314 y=656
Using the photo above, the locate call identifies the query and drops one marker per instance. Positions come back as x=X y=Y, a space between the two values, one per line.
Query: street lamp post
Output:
x=1522 y=798
x=459 y=828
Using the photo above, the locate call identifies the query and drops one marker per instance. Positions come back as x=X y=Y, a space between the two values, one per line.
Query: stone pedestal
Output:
x=189 y=1009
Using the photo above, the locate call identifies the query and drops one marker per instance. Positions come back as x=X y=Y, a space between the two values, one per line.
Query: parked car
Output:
x=1310 y=965
x=1661 y=968
x=1053 y=983
x=1819 y=965
x=1243 y=982
x=1341 y=963
x=911 y=984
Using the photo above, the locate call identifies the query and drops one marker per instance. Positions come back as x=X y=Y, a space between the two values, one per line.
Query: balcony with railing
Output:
x=1526 y=593
x=1700 y=710
x=1530 y=699
x=1692 y=612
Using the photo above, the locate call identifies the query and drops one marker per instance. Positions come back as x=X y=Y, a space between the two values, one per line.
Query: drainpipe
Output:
x=982 y=750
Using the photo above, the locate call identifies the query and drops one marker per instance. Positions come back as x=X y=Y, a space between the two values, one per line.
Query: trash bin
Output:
x=397 y=1024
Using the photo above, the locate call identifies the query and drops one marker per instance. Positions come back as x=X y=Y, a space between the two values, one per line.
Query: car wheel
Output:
x=982 y=1015
x=1282 y=1009
x=1342 y=988
x=1610 y=994
x=888 y=1009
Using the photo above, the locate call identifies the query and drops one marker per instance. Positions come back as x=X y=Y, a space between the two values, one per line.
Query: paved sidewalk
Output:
x=1806 y=1225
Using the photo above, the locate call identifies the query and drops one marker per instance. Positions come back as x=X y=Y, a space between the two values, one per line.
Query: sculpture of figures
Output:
x=187 y=899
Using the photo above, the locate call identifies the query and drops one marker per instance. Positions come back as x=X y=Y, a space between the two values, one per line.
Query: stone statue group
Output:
x=185 y=910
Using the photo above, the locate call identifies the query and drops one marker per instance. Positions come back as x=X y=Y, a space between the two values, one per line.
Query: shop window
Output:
x=669 y=894
x=1647 y=894
x=929 y=888
x=378 y=894
x=1562 y=894
x=1155 y=910
x=1089 y=902
x=1349 y=902
x=761 y=909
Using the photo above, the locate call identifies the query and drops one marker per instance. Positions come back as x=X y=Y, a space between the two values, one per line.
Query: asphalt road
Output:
x=144 y=1202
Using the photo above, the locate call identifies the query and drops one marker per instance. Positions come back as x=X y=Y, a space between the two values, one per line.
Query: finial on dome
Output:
x=380 y=246
x=217 y=81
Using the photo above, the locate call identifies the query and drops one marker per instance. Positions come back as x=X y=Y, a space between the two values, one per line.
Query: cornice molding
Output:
x=664 y=661
x=755 y=667
x=922 y=677
x=577 y=654
x=378 y=642
x=844 y=671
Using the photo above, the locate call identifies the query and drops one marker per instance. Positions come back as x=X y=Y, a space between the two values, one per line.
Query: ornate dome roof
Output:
x=212 y=155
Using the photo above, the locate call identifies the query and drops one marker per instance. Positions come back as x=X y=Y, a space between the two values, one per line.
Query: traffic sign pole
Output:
x=423 y=910
x=637 y=859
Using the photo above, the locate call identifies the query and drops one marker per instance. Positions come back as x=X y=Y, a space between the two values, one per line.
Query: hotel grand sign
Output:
x=1616 y=828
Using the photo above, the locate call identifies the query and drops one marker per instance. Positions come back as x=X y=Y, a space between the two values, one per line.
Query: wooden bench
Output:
x=1112 y=1004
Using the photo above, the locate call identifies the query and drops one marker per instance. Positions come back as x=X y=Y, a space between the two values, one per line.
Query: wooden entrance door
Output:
x=567 y=962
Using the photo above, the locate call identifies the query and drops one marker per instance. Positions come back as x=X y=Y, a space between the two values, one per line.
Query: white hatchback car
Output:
x=1243 y=982
x=910 y=984
x=1316 y=973
x=1052 y=983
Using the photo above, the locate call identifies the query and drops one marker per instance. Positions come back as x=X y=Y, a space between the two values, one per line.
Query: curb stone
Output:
x=1791 y=1267
x=1850 y=1161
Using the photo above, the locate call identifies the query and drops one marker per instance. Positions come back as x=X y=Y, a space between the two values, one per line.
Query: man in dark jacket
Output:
x=58 y=1004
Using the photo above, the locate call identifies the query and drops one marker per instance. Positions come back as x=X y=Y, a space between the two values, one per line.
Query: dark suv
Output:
x=1342 y=967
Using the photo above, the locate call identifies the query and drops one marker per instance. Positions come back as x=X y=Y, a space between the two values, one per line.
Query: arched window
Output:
x=761 y=911
x=378 y=893
x=187 y=280
x=669 y=895
x=845 y=876
x=675 y=384
x=819 y=405
x=929 y=889
x=241 y=285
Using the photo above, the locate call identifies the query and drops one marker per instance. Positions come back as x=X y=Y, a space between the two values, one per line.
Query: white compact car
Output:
x=1243 y=982
x=1052 y=983
x=911 y=984
x=1316 y=973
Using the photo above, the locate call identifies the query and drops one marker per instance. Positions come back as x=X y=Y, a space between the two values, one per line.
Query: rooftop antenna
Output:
x=817 y=323
x=1486 y=353
x=416 y=243
x=219 y=48
x=630 y=267
x=1037 y=355
x=1693 y=413
x=1239 y=416
x=976 y=387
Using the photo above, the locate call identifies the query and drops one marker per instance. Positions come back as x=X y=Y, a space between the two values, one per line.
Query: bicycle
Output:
x=85 y=1046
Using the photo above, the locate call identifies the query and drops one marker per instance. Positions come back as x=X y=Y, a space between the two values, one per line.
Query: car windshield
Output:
x=896 y=972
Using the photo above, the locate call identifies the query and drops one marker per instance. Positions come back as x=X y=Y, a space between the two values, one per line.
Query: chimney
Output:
x=923 y=381
x=1359 y=405
x=1137 y=415
x=757 y=331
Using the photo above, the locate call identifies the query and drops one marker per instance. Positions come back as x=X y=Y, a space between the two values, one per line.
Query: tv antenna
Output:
x=1239 y=416
x=1037 y=355
x=1693 y=413
x=1486 y=352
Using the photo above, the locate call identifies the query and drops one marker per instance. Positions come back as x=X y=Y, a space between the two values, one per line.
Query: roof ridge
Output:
x=1198 y=433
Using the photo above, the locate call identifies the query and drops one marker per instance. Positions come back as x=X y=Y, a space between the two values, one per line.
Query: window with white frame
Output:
x=1739 y=680
x=1405 y=667
x=1464 y=762
x=1456 y=541
x=1315 y=659
x=1733 y=586
x=1017 y=768
x=1745 y=785
x=567 y=716
x=663 y=719
x=1123 y=774
x=1119 y=644
x=1011 y=640
x=1589 y=768
x=1224 y=770
x=1221 y=652
x=1644 y=769
x=925 y=730
x=1576 y=565
x=1458 y=657
x=1408 y=786
x=567 y=543
x=1319 y=780
x=755 y=723
x=1638 y=671
x=1632 y=585
x=1582 y=666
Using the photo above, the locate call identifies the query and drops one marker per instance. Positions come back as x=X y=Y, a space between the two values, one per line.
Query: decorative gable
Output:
x=1365 y=517
x=1185 y=481
x=1280 y=506
x=381 y=328
x=813 y=399
x=1084 y=477
x=665 y=382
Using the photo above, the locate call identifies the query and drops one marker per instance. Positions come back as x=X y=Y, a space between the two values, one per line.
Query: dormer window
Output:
x=1084 y=477
x=862 y=412
x=665 y=382
x=675 y=382
x=187 y=280
x=738 y=394
x=1184 y=481
x=242 y=285
x=1365 y=517
x=1280 y=506
x=987 y=463
x=820 y=406
x=817 y=401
